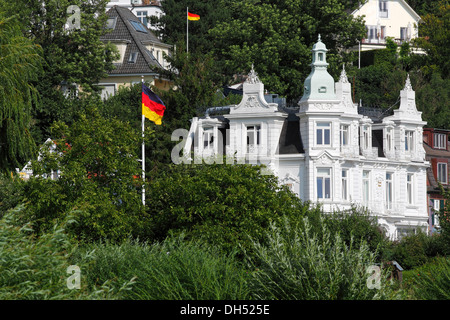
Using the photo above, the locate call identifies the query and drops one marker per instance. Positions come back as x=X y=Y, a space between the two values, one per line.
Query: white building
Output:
x=325 y=151
x=143 y=9
x=387 y=18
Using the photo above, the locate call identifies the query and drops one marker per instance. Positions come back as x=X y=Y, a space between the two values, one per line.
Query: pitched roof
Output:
x=125 y=29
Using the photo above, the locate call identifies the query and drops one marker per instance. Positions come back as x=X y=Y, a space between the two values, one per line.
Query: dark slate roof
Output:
x=290 y=140
x=124 y=31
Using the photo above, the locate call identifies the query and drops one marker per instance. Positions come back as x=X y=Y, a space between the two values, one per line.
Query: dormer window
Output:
x=440 y=141
x=133 y=57
x=138 y=26
x=111 y=23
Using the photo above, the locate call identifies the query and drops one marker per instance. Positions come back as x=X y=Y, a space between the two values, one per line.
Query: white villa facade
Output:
x=387 y=19
x=324 y=150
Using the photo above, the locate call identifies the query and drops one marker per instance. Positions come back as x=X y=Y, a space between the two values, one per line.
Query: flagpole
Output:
x=187 y=29
x=143 y=154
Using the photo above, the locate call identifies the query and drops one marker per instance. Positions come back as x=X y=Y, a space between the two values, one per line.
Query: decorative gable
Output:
x=253 y=100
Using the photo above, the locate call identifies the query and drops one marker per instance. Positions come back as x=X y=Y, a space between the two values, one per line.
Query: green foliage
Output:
x=172 y=25
x=97 y=158
x=300 y=264
x=432 y=98
x=434 y=38
x=356 y=224
x=20 y=65
x=224 y=204
x=410 y=252
x=444 y=221
x=277 y=37
x=432 y=280
x=174 y=269
x=75 y=57
x=36 y=268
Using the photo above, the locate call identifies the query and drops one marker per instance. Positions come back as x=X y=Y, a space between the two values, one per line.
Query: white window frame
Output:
x=255 y=138
x=442 y=175
x=344 y=184
x=389 y=139
x=409 y=141
x=324 y=128
x=208 y=138
x=389 y=194
x=440 y=141
x=383 y=9
x=142 y=16
x=410 y=188
x=324 y=177
x=366 y=137
x=366 y=187
x=344 y=134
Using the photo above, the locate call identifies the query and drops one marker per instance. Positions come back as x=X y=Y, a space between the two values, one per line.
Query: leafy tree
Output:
x=99 y=184
x=74 y=56
x=172 y=25
x=20 y=65
x=277 y=36
x=434 y=38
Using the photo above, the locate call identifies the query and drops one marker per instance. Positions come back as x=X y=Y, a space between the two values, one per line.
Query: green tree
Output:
x=434 y=38
x=20 y=65
x=172 y=25
x=99 y=184
x=74 y=54
x=277 y=36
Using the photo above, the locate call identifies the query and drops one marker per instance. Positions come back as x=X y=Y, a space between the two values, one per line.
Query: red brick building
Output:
x=437 y=148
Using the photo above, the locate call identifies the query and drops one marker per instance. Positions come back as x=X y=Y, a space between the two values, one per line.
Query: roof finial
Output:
x=253 y=76
x=408 y=86
x=343 y=78
x=319 y=38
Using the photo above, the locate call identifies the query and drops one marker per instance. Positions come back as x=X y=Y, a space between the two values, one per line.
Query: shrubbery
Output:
x=224 y=204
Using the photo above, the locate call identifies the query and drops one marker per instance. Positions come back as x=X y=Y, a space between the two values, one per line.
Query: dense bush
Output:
x=298 y=263
x=224 y=204
x=357 y=224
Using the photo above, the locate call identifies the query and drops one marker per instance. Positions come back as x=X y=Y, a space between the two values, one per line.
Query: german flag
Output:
x=193 y=17
x=152 y=106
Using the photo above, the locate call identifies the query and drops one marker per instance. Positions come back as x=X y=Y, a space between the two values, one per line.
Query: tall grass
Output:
x=35 y=268
x=298 y=264
x=174 y=269
x=432 y=280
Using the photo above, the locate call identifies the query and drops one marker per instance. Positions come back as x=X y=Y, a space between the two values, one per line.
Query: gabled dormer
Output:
x=409 y=126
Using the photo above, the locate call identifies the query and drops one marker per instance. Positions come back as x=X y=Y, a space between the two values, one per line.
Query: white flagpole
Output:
x=187 y=29
x=143 y=155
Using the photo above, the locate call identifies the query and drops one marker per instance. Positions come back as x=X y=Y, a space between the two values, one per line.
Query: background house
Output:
x=437 y=149
x=143 y=9
x=387 y=18
x=141 y=52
